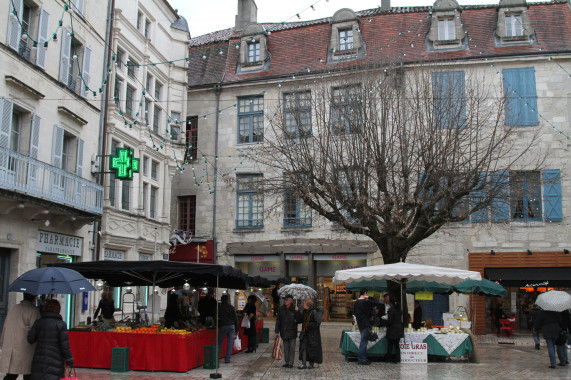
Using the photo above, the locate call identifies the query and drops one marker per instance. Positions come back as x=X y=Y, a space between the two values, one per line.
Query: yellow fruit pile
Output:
x=123 y=329
x=174 y=331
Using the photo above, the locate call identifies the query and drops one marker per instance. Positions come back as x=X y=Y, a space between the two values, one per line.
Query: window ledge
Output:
x=252 y=64
x=446 y=43
x=295 y=228
x=345 y=52
x=248 y=230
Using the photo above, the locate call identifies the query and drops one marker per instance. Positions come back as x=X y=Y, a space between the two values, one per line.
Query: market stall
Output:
x=148 y=351
x=153 y=351
x=438 y=344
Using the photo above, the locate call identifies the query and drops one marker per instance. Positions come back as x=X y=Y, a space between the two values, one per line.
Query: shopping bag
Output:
x=277 y=351
x=245 y=322
x=69 y=374
x=237 y=343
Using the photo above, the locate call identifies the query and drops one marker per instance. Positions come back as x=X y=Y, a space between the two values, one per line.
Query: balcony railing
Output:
x=26 y=175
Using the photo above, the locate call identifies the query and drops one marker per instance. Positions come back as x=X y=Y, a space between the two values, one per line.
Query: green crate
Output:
x=210 y=359
x=120 y=359
x=265 y=335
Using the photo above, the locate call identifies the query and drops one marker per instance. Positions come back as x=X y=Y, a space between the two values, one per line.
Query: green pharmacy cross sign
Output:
x=124 y=163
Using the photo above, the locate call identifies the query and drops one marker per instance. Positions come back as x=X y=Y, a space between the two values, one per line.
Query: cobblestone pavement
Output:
x=499 y=359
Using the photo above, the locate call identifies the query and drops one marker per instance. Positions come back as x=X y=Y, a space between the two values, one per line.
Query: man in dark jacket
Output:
x=207 y=307
x=286 y=327
x=227 y=326
x=550 y=323
x=363 y=310
x=535 y=329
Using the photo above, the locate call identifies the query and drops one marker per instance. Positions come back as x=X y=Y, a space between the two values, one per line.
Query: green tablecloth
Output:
x=348 y=348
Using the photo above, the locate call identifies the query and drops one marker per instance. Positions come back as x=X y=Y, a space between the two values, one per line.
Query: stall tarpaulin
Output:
x=163 y=274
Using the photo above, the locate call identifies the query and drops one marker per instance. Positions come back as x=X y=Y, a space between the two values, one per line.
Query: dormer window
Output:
x=254 y=55
x=446 y=29
x=346 y=39
x=253 y=52
x=346 y=42
x=514 y=26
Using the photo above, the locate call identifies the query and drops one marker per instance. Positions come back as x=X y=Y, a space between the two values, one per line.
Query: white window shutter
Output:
x=65 y=55
x=57 y=147
x=78 y=6
x=451 y=29
x=85 y=72
x=42 y=38
x=34 y=152
x=14 y=23
x=79 y=161
x=6 y=125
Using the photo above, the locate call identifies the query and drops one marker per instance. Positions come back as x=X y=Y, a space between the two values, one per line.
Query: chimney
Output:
x=385 y=5
x=247 y=14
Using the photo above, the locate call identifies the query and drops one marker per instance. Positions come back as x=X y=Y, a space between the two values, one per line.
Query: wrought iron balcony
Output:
x=26 y=175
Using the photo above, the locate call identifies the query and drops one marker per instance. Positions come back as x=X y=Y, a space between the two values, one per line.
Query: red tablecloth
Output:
x=148 y=352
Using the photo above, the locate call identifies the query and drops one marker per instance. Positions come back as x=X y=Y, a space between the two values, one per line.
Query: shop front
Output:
x=525 y=275
x=54 y=248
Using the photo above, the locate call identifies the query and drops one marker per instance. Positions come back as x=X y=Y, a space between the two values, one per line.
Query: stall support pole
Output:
x=217 y=375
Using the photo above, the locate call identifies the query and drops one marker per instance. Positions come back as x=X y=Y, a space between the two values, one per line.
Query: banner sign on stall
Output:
x=424 y=296
x=413 y=353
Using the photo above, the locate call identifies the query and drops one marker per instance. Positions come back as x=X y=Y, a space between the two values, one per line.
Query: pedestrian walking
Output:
x=310 y=349
x=363 y=310
x=17 y=353
x=52 y=349
x=533 y=317
x=395 y=330
x=250 y=313
x=550 y=323
x=565 y=327
x=227 y=326
x=286 y=328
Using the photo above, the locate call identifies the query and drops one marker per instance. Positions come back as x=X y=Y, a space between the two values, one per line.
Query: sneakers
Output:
x=366 y=362
x=302 y=366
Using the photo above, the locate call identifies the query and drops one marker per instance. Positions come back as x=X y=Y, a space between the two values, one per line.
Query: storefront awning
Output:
x=530 y=277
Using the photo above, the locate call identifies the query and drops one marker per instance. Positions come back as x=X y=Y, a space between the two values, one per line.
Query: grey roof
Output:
x=181 y=24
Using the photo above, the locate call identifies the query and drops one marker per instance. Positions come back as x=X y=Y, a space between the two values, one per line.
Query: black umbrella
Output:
x=51 y=280
x=258 y=281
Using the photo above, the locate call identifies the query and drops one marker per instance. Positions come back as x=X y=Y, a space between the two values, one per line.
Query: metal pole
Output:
x=155 y=253
x=217 y=375
x=198 y=252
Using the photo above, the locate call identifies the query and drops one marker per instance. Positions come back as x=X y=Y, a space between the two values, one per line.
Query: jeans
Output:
x=551 y=350
x=226 y=331
x=535 y=337
x=289 y=350
x=362 y=356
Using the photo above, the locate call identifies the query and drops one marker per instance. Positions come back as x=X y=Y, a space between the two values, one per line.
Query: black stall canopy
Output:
x=163 y=274
x=531 y=277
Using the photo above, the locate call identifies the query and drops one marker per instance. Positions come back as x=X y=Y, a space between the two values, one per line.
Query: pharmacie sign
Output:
x=52 y=242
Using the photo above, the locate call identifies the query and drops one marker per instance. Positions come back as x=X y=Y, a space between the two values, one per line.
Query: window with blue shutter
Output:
x=449 y=94
x=500 y=204
x=479 y=196
x=521 y=96
x=552 y=194
x=525 y=196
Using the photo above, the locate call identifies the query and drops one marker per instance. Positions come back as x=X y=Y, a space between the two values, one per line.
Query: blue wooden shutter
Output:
x=477 y=197
x=520 y=91
x=500 y=203
x=552 y=194
x=440 y=86
x=529 y=95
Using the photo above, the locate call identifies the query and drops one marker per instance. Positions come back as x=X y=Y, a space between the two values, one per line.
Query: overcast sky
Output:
x=205 y=16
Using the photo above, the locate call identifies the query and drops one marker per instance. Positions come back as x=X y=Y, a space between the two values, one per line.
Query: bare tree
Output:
x=395 y=154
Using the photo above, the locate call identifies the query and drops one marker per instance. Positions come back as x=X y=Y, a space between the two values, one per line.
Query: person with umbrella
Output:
x=551 y=324
x=16 y=351
x=310 y=349
x=286 y=327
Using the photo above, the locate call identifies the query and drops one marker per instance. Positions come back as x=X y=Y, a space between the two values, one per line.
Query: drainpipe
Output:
x=217 y=91
x=102 y=145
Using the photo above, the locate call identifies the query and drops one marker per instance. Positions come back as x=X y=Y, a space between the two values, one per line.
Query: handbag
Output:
x=277 y=350
x=69 y=373
x=371 y=336
x=237 y=345
x=245 y=322
x=562 y=338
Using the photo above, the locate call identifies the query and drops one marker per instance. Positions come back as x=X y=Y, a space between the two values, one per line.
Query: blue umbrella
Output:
x=51 y=280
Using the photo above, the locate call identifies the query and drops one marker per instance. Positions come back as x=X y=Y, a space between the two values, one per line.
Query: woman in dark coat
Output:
x=249 y=312
x=395 y=330
x=310 y=337
x=52 y=349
